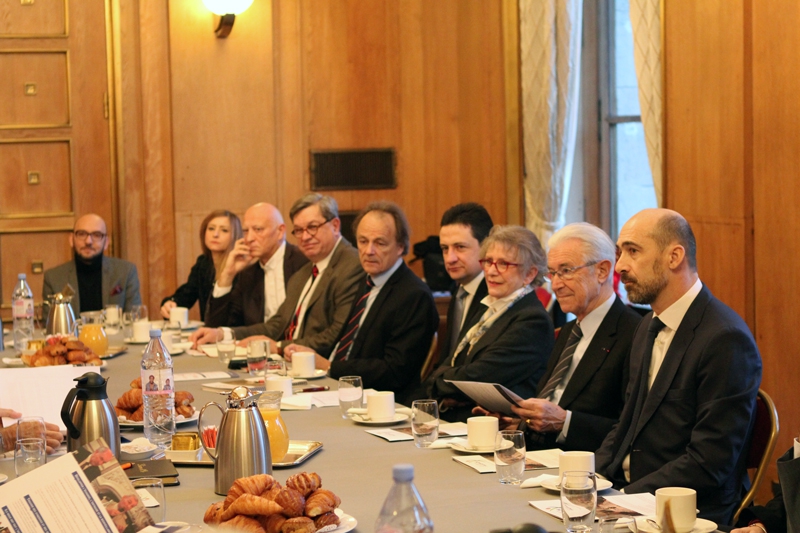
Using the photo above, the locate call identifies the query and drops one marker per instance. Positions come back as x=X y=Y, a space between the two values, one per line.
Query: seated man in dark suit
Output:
x=695 y=372
x=319 y=295
x=581 y=394
x=97 y=280
x=392 y=321
x=263 y=262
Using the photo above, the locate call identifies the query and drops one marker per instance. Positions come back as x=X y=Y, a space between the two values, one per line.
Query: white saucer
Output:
x=463 y=449
x=700 y=526
x=398 y=417
x=555 y=485
x=3 y=478
x=346 y=522
x=164 y=325
x=318 y=373
x=130 y=340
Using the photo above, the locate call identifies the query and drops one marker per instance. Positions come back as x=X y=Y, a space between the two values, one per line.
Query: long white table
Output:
x=354 y=464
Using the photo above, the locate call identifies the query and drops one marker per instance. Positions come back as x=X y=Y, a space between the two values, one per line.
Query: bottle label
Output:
x=22 y=308
x=158 y=381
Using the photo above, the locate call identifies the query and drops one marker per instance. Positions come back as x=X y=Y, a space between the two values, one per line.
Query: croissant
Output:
x=28 y=359
x=249 y=485
x=59 y=360
x=304 y=483
x=298 y=525
x=138 y=414
x=321 y=501
x=183 y=397
x=242 y=524
x=76 y=356
x=272 y=523
x=56 y=349
x=293 y=502
x=42 y=360
x=137 y=383
x=123 y=412
x=131 y=400
x=251 y=505
x=271 y=492
x=213 y=514
x=326 y=519
x=185 y=410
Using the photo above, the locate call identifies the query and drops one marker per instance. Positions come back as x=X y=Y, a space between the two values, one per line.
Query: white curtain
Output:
x=550 y=49
x=646 y=23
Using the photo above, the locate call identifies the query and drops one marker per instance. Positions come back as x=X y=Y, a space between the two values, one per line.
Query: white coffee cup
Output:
x=575 y=461
x=281 y=383
x=141 y=331
x=112 y=315
x=380 y=405
x=682 y=505
x=178 y=317
x=303 y=364
x=481 y=432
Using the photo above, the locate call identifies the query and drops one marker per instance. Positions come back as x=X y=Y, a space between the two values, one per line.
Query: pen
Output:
x=126 y=466
x=315 y=389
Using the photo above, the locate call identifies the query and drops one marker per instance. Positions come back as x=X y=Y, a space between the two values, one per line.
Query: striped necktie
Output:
x=296 y=318
x=346 y=342
x=563 y=363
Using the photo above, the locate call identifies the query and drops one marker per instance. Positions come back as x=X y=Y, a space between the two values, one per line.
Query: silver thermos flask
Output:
x=88 y=414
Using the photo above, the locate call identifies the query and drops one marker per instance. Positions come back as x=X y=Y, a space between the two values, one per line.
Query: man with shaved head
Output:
x=695 y=372
x=97 y=280
x=263 y=262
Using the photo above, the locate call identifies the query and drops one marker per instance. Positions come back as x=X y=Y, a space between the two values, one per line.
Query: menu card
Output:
x=534 y=460
x=622 y=504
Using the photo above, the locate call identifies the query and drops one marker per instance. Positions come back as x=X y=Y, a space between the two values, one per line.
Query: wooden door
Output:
x=55 y=137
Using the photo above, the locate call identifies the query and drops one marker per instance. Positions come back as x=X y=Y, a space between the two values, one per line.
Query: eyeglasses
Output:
x=311 y=229
x=501 y=265
x=567 y=273
x=96 y=235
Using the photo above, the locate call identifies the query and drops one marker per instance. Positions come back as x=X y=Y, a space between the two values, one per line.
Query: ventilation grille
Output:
x=353 y=169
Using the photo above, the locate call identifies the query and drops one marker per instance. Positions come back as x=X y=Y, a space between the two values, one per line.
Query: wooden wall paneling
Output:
x=34 y=88
x=18 y=250
x=776 y=166
x=37 y=19
x=515 y=202
x=50 y=162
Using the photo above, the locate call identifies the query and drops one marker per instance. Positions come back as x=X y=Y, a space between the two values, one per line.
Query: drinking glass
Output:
x=31 y=427
x=226 y=349
x=578 y=500
x=509 y=456
x=139 y=312
x=276 y=367
x=29 y=454
x=617 y=523
x=351 y=394
x=151 y=492
x=127 y=323
x=257 y=358
x=424 y=422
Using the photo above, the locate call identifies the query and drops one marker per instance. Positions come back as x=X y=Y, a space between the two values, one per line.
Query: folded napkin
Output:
x=296 y=402
x=445 y=443
x=532 y=482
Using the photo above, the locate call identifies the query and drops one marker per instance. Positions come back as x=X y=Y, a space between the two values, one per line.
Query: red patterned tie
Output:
x=346 y=342
x=293 y=325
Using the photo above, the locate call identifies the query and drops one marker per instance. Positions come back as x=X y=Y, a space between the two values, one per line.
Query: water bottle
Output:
x=158 y=392
x=403 y=511
x=22 y=312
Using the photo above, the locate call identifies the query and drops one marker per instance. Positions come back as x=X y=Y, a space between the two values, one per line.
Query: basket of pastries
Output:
x=62 y=351
x=130 y=406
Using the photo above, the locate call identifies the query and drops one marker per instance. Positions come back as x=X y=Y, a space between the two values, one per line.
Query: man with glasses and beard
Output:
x=96 y=279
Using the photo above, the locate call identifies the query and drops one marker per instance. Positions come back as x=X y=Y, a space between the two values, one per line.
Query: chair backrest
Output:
x=762 y=444
x=427 y=366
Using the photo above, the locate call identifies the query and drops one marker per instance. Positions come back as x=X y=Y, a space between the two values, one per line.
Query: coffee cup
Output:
x=380 y=406
x=575 y=461
x=303 y=364
x=178 y=317
x=682 y=505
x=141 y=331
x=112 y=315
x=281 y=383
x=481 y=432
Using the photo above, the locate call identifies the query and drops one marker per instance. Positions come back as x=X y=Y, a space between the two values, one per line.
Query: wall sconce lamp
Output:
x=227 y=11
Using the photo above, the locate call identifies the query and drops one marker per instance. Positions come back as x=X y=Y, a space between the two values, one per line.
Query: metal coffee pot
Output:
x=61 y=317
x=242 y=442
x=88 y=414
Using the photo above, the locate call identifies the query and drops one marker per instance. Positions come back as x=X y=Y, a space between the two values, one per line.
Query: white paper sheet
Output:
x=491 y=396
x=645 y=504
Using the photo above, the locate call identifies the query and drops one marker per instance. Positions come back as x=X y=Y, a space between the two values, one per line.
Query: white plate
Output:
x=139 y=456
x=3 y=478
x=700 y=526
x=346 y=522
x=178 y=421
x=398 y=417
x=164 y=325
x=130 y=340
x=555 y=485
x=463 y=449
x=318 y=373
x=17 y=362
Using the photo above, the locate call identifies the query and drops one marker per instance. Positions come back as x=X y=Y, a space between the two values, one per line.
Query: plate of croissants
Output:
x=130 y=406
x=260 y=504
x=62 y=351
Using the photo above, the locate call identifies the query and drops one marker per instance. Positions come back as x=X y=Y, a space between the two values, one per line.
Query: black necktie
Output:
x=563 y=363
x=296 y=318
x=346 y=342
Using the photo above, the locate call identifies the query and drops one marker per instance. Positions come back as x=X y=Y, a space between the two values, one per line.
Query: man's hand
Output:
x=273 y=346
x=504 y=422
x=9 y=413
x=319 y=361
x=238 y=259
x=751 y=529
x=166 y=307
x=205 y=336
x=54 y=437
x=541 y=415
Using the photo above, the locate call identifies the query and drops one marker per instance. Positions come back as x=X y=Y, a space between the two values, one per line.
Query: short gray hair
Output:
x=402 y=231
x=527 y=246
x=327 y=205
x=597 y=245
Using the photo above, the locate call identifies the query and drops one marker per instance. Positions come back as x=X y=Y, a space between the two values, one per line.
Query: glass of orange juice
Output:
x=92 y=333
x=269 y=404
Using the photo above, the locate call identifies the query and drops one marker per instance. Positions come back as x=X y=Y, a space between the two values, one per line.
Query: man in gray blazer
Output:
x=97 y=280
x=319 y=295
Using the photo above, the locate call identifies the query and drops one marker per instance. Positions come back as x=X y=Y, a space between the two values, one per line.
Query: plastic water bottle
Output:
x=403 y=511
x=22 y=312
x=158 y=392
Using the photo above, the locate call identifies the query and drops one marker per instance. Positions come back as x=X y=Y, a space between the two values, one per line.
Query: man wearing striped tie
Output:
x=582 y=392
x=391 y=323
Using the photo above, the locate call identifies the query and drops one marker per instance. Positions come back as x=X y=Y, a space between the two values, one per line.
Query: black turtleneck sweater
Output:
x=90 y=282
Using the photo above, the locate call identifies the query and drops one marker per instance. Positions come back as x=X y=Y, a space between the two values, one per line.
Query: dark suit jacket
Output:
x=393 y=341
x=696 y=422
x=784 y=509
x=476 y=309
x=120 y=283
x=244 y=304
x=595 y=392
x=327 y=308
x=512 y=352
x=198 y=287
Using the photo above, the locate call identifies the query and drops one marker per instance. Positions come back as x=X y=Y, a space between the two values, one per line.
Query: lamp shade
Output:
x=224 y=7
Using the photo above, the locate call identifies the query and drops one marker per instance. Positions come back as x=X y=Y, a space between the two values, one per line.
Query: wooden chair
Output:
x=762 y=444
x=430 y=360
